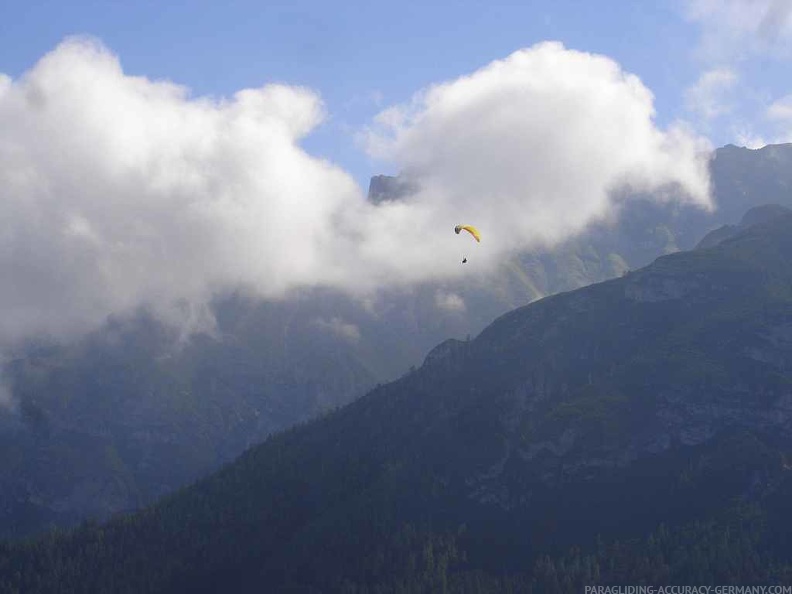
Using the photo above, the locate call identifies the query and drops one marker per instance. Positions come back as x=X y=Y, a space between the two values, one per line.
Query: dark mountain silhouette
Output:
x=635 y=431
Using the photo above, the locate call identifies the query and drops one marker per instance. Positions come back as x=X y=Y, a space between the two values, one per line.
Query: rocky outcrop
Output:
x=387 y=187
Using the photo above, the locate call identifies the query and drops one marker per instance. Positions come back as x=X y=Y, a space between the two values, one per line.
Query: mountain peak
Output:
x=389 y=187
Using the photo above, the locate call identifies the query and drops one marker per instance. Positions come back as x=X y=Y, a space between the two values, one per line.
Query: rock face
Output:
x=388 y=187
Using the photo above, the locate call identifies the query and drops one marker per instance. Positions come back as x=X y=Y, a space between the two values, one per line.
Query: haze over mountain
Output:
x=658 y=403
x=192 y=266
x=136 y=410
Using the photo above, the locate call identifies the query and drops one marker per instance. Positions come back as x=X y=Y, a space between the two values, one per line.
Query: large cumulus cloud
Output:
x=117 y=191
x=532 y=147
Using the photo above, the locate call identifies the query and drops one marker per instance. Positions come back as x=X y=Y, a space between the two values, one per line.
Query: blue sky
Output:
x=363 y=55
x=159 y=153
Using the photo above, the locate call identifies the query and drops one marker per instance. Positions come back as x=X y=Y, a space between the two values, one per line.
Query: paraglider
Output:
x=470 y=229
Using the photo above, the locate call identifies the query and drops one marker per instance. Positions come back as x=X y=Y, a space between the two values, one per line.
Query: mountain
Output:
x=755 y=216
x=744 y=178
x=634 y=431
x=129 y=413
x=134 y=411
x=388 y=187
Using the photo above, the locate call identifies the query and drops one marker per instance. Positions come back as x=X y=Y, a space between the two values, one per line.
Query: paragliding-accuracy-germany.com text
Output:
x=688 y=590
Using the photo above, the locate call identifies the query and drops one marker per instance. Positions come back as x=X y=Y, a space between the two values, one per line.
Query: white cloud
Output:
x=117 y=191
x=708 y=97
x=737 y=39
x=450 y=302
x=781 y=109
x=779 y=113
x=340 y=328
x=529 y=148
x=745 y=137
x=736 y=29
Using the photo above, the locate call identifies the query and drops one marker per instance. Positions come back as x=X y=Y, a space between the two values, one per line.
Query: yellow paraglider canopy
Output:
x=470 y=229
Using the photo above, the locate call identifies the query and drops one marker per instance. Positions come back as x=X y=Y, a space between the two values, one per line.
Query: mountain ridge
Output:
x=129 y=413
x=661 y=397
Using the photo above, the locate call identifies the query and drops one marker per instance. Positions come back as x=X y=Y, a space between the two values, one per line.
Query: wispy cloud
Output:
x=737 y=39
x=450 y=302
x=708 y=98
x=340 y=328
x=737 y=29
x=779 y=114
x=781 y=110
x=744 y=135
